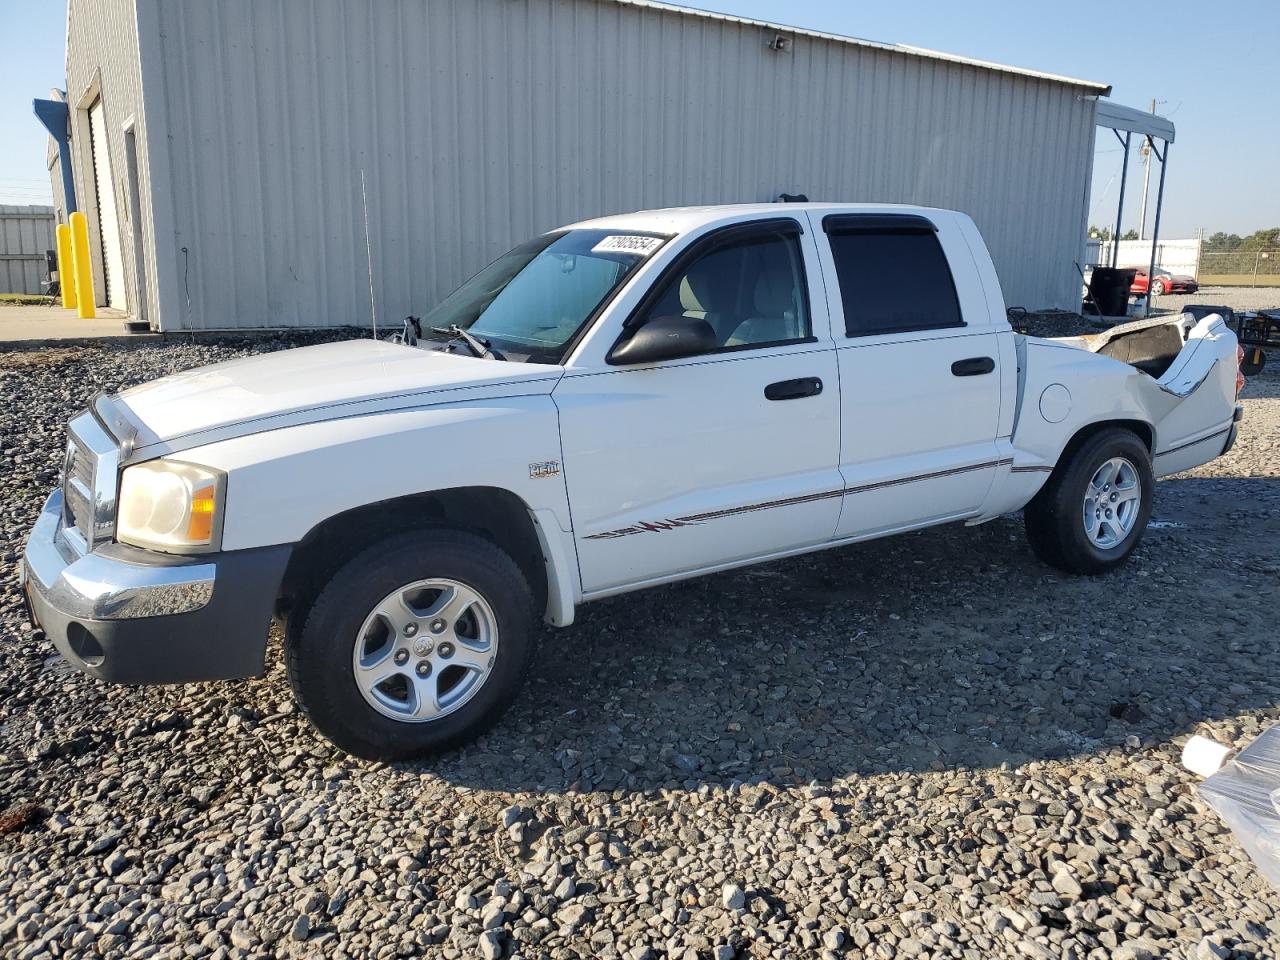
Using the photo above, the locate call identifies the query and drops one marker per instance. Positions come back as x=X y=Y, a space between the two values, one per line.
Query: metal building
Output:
x=217 y=147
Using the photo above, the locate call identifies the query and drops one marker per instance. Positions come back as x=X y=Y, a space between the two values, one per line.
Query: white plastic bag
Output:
x=1246 y=793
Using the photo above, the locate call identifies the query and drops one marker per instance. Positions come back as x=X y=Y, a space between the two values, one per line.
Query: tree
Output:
x=1220 y=242
x=1262 y=240
x=1104 y=233
x=1258 y=240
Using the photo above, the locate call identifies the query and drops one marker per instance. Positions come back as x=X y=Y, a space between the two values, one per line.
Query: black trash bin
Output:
x=1109 y=289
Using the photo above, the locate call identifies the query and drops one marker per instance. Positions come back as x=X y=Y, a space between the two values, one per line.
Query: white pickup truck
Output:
x=613 y=405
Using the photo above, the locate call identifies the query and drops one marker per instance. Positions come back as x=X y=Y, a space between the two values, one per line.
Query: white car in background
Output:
x=610 y=406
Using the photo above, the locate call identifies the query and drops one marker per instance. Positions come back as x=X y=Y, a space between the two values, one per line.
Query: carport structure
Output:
x=1117 y=117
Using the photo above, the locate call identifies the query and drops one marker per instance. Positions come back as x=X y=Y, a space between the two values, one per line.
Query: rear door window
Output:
x=893 y=275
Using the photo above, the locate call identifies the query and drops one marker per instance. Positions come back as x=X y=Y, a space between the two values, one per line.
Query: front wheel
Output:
x=416 y=645
x=1092 y=513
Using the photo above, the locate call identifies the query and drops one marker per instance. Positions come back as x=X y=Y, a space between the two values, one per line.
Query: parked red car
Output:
x=1165 y=283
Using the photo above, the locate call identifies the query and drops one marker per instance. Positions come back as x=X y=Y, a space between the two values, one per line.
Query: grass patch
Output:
x=1239 y=280
x=26 y=299
x=40 y=357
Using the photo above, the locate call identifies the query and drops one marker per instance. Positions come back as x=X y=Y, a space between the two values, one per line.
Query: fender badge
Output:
x=547 y=468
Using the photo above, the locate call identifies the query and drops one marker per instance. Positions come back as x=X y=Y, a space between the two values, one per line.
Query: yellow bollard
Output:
x=80 y=264
x=66 y=272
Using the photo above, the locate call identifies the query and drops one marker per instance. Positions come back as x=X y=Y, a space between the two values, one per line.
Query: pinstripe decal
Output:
x=929 y=476
x=661 y=526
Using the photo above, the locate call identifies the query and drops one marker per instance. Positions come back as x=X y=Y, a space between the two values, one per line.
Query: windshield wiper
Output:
x=480 y=348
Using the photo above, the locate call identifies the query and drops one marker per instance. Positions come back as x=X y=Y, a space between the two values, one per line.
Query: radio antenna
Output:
x=368 y=250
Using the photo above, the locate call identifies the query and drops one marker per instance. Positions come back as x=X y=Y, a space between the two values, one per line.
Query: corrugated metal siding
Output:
x=55 y=180
x=102 y=49
x=903 y=49
x=481 y=122
x=26 y=235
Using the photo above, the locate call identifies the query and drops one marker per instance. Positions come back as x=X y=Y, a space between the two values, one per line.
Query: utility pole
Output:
x=1146 y=179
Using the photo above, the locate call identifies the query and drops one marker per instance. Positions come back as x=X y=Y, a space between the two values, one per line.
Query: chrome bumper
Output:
x=128 y=615
x=110 y=583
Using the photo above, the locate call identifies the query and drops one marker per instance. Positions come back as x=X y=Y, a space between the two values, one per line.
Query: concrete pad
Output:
x=20 y=324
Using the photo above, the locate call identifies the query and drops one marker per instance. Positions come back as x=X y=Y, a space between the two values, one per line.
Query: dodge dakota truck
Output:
x=617 y=404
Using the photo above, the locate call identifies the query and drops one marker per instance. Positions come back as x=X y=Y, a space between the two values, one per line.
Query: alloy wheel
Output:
x=425 y=650
x=1112 y=502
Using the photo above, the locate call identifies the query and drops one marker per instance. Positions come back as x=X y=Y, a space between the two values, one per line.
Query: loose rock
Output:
x=907 y=743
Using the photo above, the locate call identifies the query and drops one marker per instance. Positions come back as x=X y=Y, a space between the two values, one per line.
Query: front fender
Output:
x=282 y=483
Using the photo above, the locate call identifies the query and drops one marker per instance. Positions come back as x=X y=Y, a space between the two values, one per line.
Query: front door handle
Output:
x=793 y=389
x=973 y=367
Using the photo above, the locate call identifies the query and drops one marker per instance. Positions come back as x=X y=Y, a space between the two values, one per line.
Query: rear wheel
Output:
x=416 y=645
x=1092 y=513
x=1157 y=288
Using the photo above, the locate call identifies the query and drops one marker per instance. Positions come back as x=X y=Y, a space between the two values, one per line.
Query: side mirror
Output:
x=666 y=338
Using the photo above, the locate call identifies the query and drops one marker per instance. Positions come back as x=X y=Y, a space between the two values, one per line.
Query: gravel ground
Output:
x=928 y=746
x=1237 y=298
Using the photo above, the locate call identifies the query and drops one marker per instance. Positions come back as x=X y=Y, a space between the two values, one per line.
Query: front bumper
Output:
x=129 y=615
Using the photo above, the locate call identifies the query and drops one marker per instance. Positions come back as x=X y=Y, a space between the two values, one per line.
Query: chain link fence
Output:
x=1240 y=268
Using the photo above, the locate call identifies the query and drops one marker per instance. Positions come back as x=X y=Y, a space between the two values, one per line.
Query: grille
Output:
x=77 y=490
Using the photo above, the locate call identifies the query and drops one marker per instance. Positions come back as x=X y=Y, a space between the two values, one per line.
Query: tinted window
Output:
x=751 y=290
x=893 y=280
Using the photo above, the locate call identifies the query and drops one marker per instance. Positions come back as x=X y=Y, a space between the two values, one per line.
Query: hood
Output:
x=307 y=384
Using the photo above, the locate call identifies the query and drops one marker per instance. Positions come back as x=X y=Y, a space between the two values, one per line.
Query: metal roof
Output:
x=1101 y=89
x=1119 y=117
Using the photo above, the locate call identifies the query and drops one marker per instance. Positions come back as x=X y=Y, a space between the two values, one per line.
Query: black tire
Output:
x=319 y=652
x=1157 y=288
x=1055 y=518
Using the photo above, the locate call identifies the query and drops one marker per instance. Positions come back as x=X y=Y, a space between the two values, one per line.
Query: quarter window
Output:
x=892 y=279
x=750 y=289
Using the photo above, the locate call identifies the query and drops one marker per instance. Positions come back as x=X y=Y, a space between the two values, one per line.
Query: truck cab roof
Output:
x=678 y=220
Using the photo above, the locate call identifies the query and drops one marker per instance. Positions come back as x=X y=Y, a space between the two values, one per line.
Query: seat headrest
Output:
x=774 y=295
x=706 y=288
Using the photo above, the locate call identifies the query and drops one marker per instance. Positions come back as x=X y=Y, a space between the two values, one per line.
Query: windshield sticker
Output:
x=626 y=243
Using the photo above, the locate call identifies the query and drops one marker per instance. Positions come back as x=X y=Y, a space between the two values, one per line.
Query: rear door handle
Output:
x=793 y=389
x=973 y=367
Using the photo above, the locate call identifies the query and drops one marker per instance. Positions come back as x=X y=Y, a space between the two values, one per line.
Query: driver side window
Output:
x=749 y=289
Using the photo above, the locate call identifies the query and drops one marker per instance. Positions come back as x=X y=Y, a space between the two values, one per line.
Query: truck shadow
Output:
x=1265 y=385
x=949 y=648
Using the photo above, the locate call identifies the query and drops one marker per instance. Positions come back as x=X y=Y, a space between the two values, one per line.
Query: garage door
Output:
x=108 y=221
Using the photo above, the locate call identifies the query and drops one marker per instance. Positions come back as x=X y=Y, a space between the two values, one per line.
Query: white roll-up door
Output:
x=108 y=221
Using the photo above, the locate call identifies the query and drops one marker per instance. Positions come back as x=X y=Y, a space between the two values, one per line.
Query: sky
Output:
x=1211 y=70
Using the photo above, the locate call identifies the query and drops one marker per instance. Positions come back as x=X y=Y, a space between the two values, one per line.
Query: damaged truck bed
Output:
x=1175 y=378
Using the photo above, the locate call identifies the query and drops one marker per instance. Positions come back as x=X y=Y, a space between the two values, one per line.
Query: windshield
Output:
x=530 y=303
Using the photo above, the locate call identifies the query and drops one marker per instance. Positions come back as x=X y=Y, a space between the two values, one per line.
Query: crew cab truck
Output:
x=617 y=404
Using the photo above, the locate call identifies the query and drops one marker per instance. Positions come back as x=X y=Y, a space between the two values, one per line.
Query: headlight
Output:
x=170 y=506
